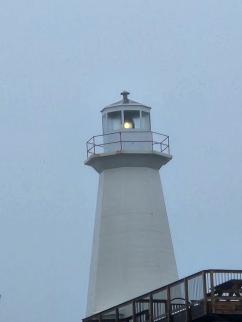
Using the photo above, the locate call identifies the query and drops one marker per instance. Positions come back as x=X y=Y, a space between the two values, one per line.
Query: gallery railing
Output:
x=125 y=140
x=206 y=292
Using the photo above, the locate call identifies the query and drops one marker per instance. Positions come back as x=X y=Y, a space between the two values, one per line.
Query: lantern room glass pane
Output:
x=114 y=121
x=145 y=120
x=131 y=120
x=104 y=123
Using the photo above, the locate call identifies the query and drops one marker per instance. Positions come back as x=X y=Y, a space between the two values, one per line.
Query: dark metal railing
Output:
x=200 y=294
x=123 y=140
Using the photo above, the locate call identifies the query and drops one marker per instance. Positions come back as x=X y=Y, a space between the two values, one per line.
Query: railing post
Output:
x=205 y=293
x=151 y=308
x=116 y=314
x=187 y=300
x=168 y=304
x=152 y=141
x=212 y=291
x=121 y=146
x=133 y=311
x=94 y=145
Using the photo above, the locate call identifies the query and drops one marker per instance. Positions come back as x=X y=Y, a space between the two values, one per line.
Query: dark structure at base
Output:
x=211 y=295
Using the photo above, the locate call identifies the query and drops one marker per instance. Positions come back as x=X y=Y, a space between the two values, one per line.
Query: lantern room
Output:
x=126 y=115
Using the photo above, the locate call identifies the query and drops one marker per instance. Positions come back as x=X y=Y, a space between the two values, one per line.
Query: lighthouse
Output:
x=132 y=250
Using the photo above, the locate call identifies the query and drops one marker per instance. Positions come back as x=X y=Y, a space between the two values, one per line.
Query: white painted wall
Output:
x=132 y=248
x=132 y=140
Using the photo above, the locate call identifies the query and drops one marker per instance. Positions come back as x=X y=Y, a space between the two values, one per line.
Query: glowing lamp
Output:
x=128 y=125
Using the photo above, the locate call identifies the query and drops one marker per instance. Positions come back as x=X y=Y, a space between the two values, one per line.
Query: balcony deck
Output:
x=121 y=141
x=210 y=295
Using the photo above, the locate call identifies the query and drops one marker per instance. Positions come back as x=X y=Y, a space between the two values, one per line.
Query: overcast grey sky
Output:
x=60 y=63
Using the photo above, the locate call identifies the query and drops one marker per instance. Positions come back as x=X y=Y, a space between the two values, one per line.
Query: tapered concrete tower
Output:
x=132 y=247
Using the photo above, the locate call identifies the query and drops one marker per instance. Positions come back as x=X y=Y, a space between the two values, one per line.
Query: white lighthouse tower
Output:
x=132 y=247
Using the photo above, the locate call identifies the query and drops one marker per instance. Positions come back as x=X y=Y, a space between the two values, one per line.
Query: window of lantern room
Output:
x=145 y=121
x=114 y=121
x=131 y=120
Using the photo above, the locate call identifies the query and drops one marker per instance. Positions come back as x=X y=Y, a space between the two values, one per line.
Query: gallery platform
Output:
x=209 y=295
